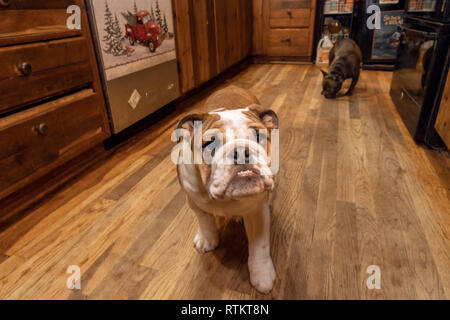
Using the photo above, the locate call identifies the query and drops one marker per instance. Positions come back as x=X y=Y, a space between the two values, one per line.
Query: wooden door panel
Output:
x=233 y=31
x=204 y=40
x=184 y=44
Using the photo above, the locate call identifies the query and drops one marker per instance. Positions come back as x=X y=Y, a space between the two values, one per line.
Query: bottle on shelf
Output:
x=323 y=51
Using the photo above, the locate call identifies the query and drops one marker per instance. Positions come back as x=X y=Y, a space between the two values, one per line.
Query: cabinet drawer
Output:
x=32 y=20
x=48 y=68
x=35 y=138
x=291 y=4
x=289 y=42
x=290 y=18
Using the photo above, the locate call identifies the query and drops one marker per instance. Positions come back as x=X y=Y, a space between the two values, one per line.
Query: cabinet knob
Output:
x=25 y=68
x=4 y=3
x=289 y=12
x=40 y=129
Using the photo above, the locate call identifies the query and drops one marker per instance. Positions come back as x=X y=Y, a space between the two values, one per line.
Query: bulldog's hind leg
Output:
x=207 y=238
x=262 y=272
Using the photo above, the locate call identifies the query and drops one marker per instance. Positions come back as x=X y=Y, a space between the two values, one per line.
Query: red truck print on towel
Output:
x=141 y=28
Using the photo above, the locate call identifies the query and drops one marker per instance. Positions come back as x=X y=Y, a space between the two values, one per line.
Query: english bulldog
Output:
x=234 y=177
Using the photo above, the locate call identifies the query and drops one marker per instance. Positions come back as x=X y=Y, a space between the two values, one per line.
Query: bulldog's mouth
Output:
x=248 y=182
x=231 y=180
x=247 y=173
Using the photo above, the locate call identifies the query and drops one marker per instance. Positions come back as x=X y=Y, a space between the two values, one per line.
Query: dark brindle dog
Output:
x=345 y=63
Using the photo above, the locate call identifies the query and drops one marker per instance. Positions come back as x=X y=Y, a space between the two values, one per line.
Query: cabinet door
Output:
x=233 y=30
x=443 y=119
x=203 y=40
x=212 y=35
x=196 y=41
x=183 y=39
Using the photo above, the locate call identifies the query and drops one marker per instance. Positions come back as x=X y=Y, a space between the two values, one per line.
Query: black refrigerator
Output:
x=421 y=69
x=379 y=46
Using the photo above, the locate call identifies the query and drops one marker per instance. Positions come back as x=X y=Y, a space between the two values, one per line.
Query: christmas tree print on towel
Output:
x=113 y=35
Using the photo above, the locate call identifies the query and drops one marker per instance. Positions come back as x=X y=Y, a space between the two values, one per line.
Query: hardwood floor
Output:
x=354 y=190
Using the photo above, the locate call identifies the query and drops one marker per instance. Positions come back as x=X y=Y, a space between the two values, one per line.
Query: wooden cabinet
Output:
x=283 y=29
x=443 y=118
x=211 y=36
x=51 y=102
x=30 y=20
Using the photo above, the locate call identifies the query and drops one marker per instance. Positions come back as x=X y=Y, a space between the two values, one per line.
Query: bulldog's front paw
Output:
x=206 y=243
x=262 y=275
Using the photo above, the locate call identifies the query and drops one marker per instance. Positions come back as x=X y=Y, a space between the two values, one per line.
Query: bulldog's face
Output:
x=235 y=147
x=331 y=85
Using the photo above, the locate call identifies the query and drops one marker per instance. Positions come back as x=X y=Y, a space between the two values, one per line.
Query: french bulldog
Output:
x=237 y=180
x=345 y=62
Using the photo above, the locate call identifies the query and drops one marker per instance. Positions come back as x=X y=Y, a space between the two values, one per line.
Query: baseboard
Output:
x=282 y=60
x=378 y=67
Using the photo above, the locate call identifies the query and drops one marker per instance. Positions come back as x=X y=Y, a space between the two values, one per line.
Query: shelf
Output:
x=421 y=10
x=337 y=13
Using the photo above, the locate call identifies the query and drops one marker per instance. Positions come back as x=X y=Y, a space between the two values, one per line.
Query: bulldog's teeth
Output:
x=245 y=173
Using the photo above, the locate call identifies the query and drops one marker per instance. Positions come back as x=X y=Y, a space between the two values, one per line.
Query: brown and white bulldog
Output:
x=237 y=179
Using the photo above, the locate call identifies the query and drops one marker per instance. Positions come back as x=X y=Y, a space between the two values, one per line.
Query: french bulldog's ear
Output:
x=324 y=72
x=188 y=121
x=267 y=116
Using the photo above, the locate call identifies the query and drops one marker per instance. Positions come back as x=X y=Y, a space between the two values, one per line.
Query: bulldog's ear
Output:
x=324 y=73
x=188 y=121
x=267 y=116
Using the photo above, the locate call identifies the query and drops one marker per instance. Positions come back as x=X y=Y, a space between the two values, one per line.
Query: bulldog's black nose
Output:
x=241 y=155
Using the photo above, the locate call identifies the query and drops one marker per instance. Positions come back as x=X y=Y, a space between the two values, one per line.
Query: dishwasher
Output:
x=135 y=46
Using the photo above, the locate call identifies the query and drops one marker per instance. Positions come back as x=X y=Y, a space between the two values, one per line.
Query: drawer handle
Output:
x=287 y=40
x=40 y=129
x=25 y=68
x=4 y=3
x=289 y=12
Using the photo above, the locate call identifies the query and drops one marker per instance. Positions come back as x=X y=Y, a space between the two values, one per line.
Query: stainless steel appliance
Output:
x=423 y=62
x=136 y=52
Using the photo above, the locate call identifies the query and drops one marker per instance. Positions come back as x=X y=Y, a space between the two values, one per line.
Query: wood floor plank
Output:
x=3 y=258
x=346 y=265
